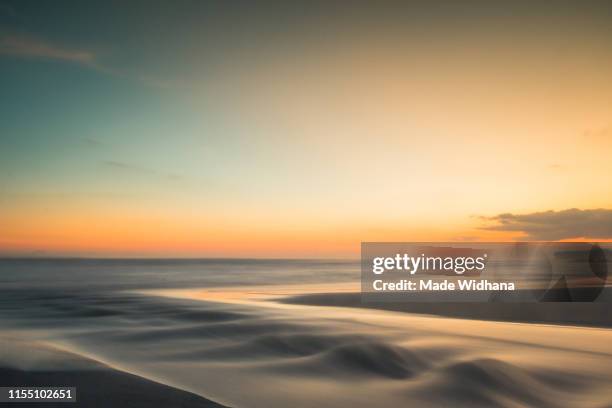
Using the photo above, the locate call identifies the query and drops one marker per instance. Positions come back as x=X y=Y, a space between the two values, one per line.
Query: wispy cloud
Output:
x=126 y=167
x=28 y=47
x=90 y=142
x=556 y=166
x=601 y=135
x=35 y=48
x=556 y=225
x=121 y=165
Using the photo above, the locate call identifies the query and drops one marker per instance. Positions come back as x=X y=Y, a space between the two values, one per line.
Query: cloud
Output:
x=33 y=48
x=556 y=225
x=30 y=47
x=601 y=134
x=556 y=166
x=122 y=166
x=91 y=142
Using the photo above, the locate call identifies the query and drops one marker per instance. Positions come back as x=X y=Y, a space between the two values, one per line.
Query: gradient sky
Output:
x=184 y=128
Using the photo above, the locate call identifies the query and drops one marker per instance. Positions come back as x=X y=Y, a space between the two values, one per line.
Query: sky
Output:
x=300 y=129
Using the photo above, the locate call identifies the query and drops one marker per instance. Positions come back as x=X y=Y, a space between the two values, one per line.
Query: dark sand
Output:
x=97 y=385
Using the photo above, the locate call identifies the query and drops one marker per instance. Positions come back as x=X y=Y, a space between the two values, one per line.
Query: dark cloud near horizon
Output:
x=556 y=225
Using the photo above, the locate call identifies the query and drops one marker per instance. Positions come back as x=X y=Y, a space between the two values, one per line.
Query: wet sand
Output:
x=35 y=364
x=576 y=314
x=256 y=347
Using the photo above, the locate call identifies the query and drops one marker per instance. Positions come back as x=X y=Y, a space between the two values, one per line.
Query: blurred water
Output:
x=169 y=273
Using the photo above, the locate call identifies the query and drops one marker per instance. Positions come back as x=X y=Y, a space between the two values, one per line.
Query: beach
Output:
x=257 y=346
